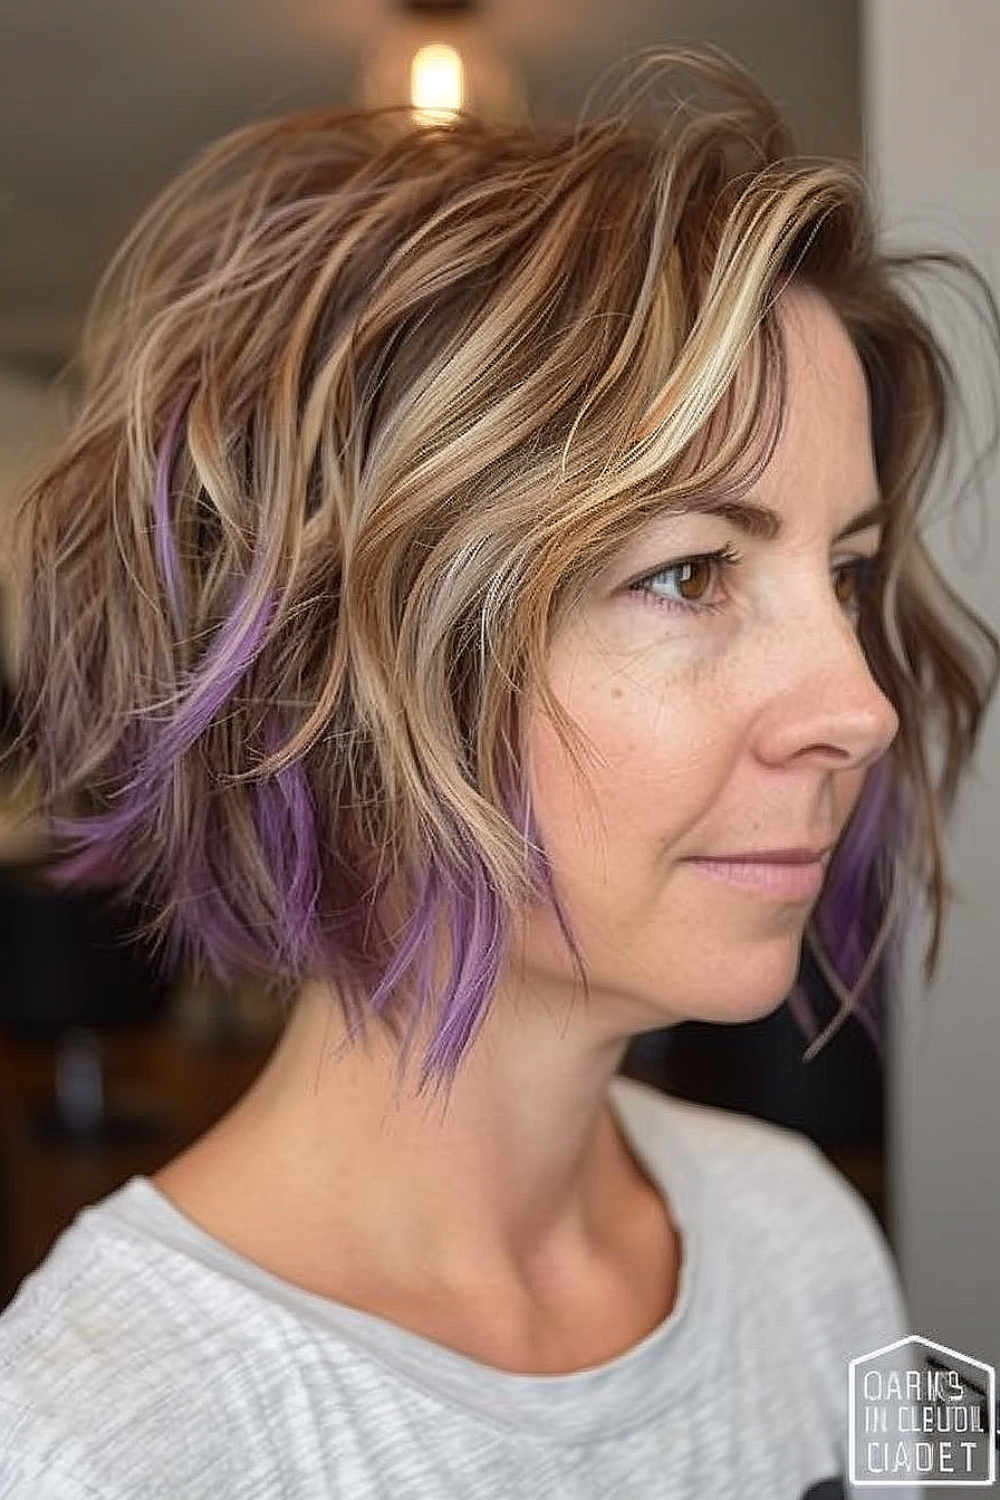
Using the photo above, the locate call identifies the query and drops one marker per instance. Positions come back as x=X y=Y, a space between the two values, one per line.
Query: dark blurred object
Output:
x=71 y=972
x=8 y=720
x=10 y=723
x=44 y=1184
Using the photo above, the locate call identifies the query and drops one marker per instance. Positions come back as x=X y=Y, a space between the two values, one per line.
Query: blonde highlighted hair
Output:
x=365 y=404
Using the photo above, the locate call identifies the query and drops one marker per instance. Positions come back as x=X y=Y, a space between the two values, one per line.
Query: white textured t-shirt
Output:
x=144 y=1359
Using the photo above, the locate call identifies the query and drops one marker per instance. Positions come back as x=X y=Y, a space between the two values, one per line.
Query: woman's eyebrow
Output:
x=766 y=525
x=876 y=514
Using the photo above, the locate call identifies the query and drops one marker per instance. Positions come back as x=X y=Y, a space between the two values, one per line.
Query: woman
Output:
x=473 y=542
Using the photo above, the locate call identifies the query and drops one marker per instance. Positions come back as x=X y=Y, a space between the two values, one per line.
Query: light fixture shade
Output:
x=437 y=80
x=490 y=86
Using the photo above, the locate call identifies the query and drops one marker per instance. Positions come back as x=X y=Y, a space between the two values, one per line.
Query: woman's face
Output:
x=748 y=727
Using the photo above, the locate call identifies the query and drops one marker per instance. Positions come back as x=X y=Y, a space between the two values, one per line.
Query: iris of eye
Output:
x=686 y=567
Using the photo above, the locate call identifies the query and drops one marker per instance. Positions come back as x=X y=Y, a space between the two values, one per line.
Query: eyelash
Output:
x=863 y=569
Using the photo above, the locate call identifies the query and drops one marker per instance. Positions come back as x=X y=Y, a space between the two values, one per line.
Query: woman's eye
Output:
x=692 y=579
x=861 y=577
x=854 y=574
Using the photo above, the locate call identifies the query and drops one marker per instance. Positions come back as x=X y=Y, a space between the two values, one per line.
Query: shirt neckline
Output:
x=584 y=1405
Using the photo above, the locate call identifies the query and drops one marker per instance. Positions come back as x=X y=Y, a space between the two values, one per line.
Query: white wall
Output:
x=932 y=125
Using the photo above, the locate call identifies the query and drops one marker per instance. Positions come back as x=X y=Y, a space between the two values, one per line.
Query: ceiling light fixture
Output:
x=437 y=80
x=437 y=58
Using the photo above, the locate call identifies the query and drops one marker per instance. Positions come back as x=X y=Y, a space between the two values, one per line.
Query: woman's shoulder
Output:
x=795 y=1234
x=757 y=1180
x=107 y=1338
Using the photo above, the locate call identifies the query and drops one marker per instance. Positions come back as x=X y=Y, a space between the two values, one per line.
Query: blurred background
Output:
x=104 y=1072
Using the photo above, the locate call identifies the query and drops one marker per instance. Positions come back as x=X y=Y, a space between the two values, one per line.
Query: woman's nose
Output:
x=825 y=699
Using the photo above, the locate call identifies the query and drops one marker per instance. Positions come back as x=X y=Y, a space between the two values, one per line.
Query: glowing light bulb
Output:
x=437 y=81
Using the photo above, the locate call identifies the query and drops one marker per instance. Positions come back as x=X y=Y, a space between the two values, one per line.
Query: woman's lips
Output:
x=784 y=882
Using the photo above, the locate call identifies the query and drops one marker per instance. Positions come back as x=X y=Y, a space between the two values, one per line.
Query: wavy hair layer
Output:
x=364 y=405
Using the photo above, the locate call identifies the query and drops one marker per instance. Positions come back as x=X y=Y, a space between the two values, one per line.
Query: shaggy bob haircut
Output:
x=365 y=403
